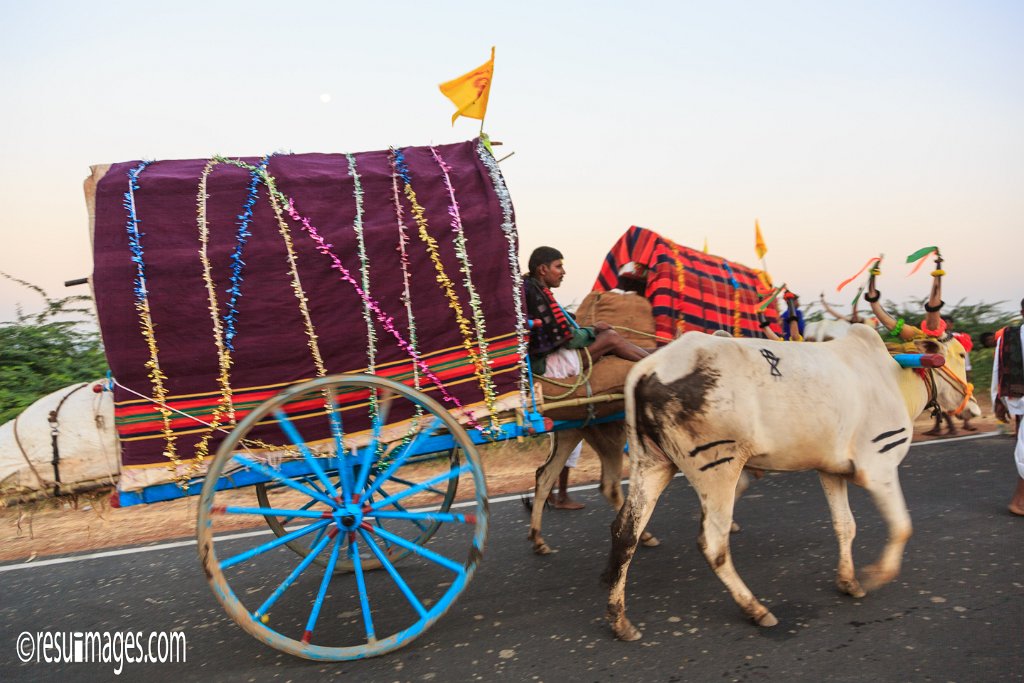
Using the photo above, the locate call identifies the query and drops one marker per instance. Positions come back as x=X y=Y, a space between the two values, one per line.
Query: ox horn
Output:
x=907 y=332
x=932 y=318
x=854 y=317
x=833 y=312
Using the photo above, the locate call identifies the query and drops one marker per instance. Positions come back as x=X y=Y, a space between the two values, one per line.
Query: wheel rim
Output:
x=345 y=596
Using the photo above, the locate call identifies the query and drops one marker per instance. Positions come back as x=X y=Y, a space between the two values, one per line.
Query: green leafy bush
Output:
x=43 y=352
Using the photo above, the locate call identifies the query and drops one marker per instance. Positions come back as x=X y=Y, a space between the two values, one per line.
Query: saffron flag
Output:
x=705 y=245
x=469 y=92
x=760 y=248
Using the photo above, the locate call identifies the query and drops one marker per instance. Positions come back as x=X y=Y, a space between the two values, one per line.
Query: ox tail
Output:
x=633 y=439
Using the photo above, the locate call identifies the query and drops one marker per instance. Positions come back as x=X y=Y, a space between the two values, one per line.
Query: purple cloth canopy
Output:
x=271 y=344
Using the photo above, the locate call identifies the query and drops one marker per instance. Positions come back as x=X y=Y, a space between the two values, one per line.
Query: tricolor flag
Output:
x=469 y=92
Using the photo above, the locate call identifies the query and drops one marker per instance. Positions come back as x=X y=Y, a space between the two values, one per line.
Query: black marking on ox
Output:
x=716 y=463
x=698 y=449
x=687 y=396
x=773 y=361
x=894 y=444
x=886 y=435
x=624 y=541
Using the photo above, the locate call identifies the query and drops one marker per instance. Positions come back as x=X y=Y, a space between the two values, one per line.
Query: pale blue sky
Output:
x=848 y=129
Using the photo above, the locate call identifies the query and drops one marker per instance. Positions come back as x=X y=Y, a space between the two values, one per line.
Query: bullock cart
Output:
x=318 y=343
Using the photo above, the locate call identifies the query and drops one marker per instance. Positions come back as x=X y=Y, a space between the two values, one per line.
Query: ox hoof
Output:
x=851 y=588
x=735 y=528
x=872 y=578
x=650 y=541
x=626 y=631
x=767 y=620
x=543 y=549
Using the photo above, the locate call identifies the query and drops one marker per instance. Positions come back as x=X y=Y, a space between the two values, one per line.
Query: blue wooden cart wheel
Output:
x=387 y=505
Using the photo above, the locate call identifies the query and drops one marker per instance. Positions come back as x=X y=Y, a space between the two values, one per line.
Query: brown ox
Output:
x=709 y=406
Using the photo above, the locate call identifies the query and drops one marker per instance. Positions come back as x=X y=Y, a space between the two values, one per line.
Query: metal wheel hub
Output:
x=348 y=517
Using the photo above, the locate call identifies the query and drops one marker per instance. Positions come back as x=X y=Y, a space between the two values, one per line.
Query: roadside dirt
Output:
x=87 y=522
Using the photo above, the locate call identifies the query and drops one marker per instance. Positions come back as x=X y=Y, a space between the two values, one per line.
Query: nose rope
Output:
x=966 y=387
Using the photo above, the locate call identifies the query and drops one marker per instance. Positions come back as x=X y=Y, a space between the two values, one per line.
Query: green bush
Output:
x=43 y=352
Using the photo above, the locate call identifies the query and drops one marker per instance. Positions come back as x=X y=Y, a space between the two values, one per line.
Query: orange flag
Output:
x=760 y=248
x=469 y=92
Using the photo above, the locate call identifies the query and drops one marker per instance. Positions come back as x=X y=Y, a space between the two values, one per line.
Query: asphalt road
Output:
x=955 y=614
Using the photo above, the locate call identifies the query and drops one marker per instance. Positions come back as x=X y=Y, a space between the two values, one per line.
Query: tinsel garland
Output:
x=386 y=321
x=237 y=264
x=403 y=259
x=441 y=276
x=737 y=330
x=487 y=382
x=364 y=276
x=224 y=334
x=225 y=405
x=680 y=285
x=508 y=226
x=283 y=203
x=277 y=203
x=156 y=375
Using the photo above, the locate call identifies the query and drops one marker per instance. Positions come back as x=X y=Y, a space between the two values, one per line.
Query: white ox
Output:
x=710 y=406
x=826 y=330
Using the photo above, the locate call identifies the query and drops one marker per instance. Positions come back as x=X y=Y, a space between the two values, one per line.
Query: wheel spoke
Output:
x=270 y=545
x=400 y=459
x=399 y=581
x=431 y=516
x=328 y=572
x=302 y=566
x=291 y=514
x=293 y=434
x=271 y=473
x=364 y=602
x=369 y=452
x=401 y=508
x=418 y=549
x=399 y=480
x=338 y=432
x=426 y=485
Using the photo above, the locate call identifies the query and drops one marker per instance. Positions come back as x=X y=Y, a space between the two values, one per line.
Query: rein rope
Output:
x=928 y=377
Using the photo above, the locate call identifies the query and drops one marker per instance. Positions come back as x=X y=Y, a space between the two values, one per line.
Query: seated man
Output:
x=555 y=329
x=555 y=337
